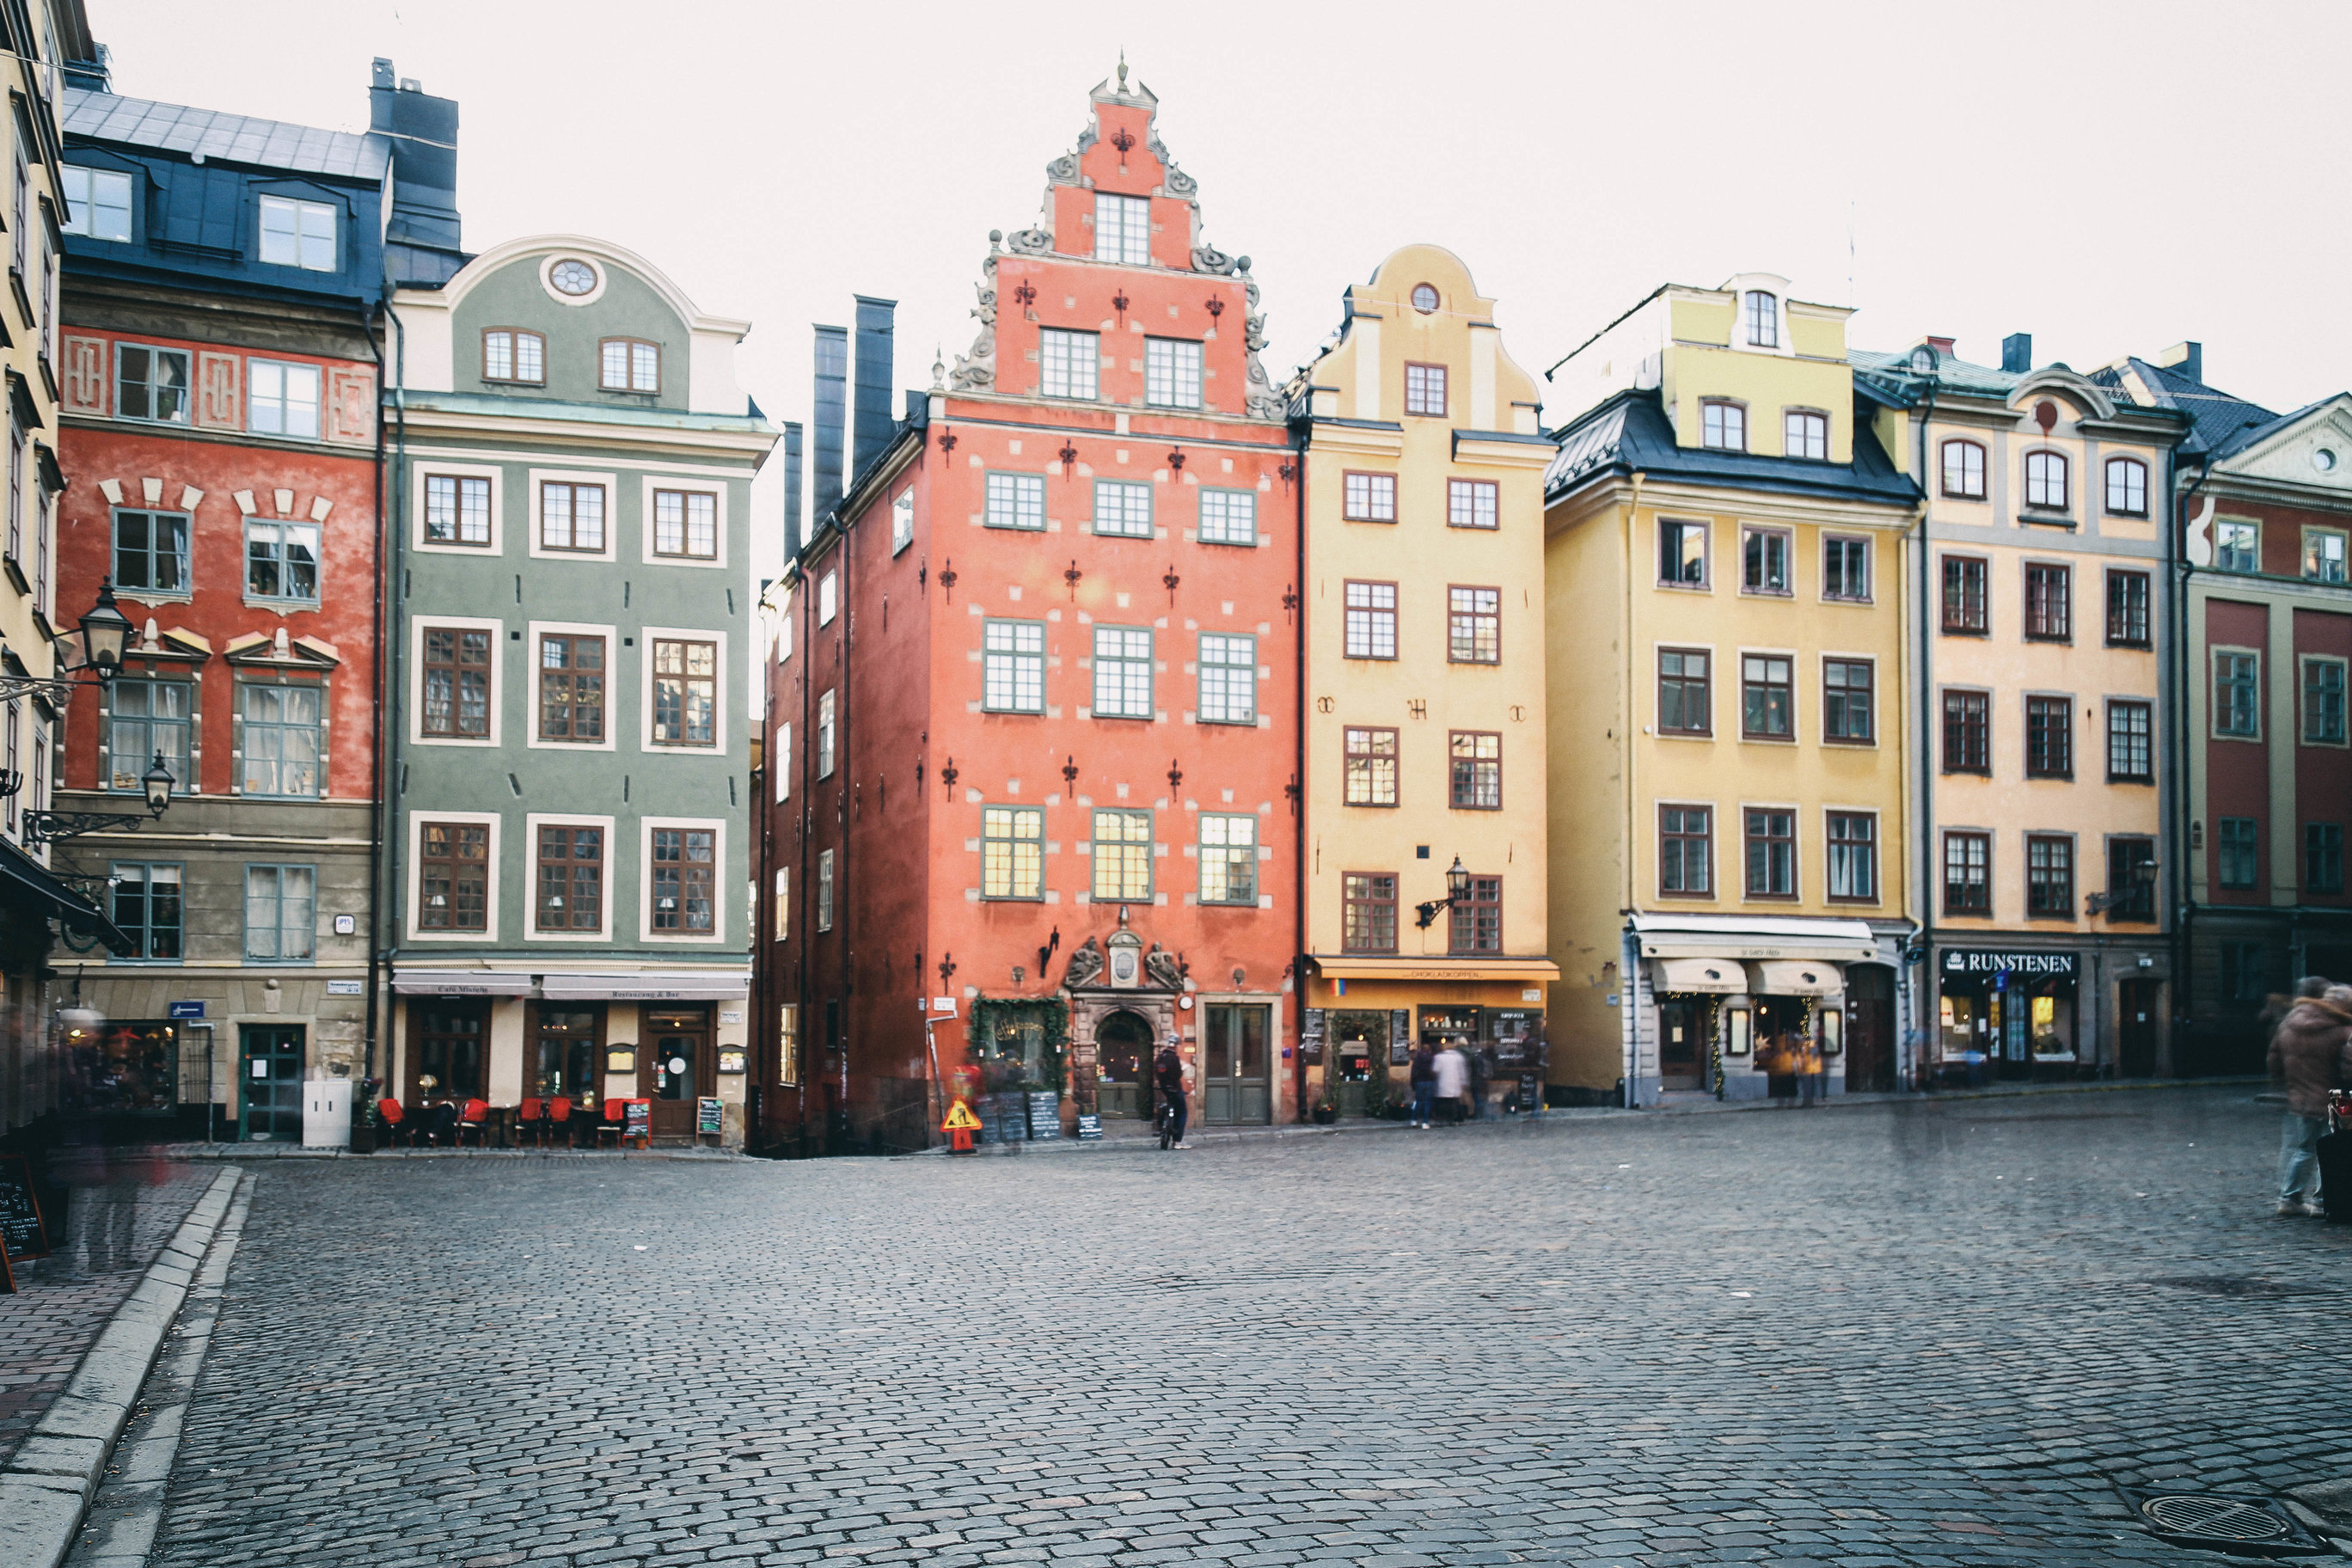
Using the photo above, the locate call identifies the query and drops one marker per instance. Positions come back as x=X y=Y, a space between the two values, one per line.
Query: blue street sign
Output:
x=187 y=1009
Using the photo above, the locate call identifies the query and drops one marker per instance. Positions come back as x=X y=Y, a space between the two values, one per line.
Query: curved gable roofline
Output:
x=1402 y=251
x=453 y=293
x=2253 y=441
x=2063 y=379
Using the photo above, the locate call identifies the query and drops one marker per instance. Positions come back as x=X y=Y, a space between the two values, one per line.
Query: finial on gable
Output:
x=1122 y=73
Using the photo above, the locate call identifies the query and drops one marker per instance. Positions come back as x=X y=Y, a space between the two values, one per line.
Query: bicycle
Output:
x=1166 y=1122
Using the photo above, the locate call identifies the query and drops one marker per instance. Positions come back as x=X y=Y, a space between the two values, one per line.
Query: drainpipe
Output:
x=1629 y=989
x=1928 y=711
x=1298 y=832
x=2178 y=578
x=391 y=713
x=804 y=825
x=842 y=778
x=376 y=805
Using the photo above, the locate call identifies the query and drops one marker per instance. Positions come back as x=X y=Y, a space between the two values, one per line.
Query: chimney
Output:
x=2017 y=352
x=870 y=432
x=792 y=492
x=421 y=235
x=1943 y=347
x=832 y=413
x=2185 y=359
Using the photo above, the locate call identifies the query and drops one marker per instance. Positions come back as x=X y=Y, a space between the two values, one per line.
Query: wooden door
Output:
x=1681 y=1042
x=2136 y=1004
x=1234 y=1085
x=676 y=1064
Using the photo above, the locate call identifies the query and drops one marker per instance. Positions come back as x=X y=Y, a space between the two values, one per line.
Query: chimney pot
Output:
x=1941 y=345
x=2017 y=352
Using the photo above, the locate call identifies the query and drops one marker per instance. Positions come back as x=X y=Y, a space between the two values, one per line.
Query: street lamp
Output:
x=48 y=826
x=158 y=780
x=2140 y=875
x=1458 y=886
x=105 y=638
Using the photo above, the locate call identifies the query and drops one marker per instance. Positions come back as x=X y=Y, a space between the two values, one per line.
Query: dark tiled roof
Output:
x=231 y=138
x=1630 y=432
x=1952 y=372
x=2218 y=424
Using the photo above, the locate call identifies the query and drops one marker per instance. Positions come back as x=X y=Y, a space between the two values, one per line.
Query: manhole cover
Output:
x=2216 y=1518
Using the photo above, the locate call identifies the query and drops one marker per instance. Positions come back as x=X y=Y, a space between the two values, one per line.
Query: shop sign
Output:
x=1966 y=961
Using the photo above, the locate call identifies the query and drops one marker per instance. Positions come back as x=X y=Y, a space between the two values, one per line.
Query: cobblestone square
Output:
x=1925 y=1333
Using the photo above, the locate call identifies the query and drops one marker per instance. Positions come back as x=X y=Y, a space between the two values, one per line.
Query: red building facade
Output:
x=1030 y=748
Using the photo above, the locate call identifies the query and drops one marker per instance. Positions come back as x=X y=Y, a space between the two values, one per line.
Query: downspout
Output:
x=803 y=825
x=842 y=777
x=2178 y=578
x=1299 y=831
x=392 y=552
x=1629 y=959
x=1928 y=718
x=375 y=804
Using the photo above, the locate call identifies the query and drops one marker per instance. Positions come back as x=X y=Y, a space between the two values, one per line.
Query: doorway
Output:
x=273 y=1081
x=1123 y=1055
x=1235 y=1087
x=2135 y=1015
x=1681 y=1042
x=1869 y=1029
x=682 y=1065
x=1358 y=1073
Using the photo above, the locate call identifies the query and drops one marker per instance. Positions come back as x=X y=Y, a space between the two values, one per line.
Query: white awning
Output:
x=462 y=982
x=1799 y=977
x=1714 y=974
x=716 y=985
x=1681 y=935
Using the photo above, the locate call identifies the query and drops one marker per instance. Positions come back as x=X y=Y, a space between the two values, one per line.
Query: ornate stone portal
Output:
x=1122 y=982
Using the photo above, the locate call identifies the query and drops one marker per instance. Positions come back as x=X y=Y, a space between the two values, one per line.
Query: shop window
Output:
x=1772 y=854
x=1474 y=922
x=146 y=908
x=2048 y=738
x=1368 y=904
x=448 y=1060
x=1012 y=852
x=1684 y=703
x=1370 y=767
x=1228 y=849
x=2131 y=743
x=1968 y=873
x=1122 y=858
x=570 y=879
x=560 y=1060
x=1686 y=851
x=2049 y=877
x=2237 y=842
x=1964 y=595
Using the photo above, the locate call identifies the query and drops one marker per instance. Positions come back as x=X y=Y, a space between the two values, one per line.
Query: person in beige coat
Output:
x=2310 y=1053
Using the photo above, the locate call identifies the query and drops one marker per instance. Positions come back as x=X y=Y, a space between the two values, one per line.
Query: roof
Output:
x=1953 y=373
x=1629 y=432
x=2218 y=424
x=233 y=138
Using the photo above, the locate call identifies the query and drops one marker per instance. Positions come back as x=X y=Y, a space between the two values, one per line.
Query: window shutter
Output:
x=86 y=376
x=351 y=406
x=220 y=391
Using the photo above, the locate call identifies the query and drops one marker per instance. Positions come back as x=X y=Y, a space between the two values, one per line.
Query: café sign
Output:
x=1996 y=961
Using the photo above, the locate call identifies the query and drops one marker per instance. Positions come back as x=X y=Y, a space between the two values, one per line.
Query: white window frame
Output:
x=318 y=537
x=532 y=822
x=781 y=763
x=423 y=468
x=902 y=521
x=781 y=924
x=696 y=484
x=828 y=599
x=1077 y=348
x=828 y=733
x=532 y=631
x=1020 y=492
x=419 y=624
x=1169 y=368
x=79 y=223
x=488 y=935
x=610 y=482
x=647 y=638
x=253 y=366
x=299 y=209
x=717 y=826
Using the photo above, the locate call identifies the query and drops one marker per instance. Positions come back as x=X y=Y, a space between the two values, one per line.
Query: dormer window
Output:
x=629 y=364
x=510 y=353
x=99 y=202
x=1723 y=427
x=1805 y=434
x=1122 y=229
x=298 y=233
x=1763 y=319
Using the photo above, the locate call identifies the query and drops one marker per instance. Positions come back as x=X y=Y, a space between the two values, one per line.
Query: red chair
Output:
x=614 y=1109
x=558 y=1125
x=389 y=1113
x=473 y=1119
x=530 y=1121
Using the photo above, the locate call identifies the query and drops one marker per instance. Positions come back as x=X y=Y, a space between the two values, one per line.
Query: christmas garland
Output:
x=989 y=1015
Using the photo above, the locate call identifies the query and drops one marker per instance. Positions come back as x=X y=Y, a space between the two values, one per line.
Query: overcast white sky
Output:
x=2111 y=178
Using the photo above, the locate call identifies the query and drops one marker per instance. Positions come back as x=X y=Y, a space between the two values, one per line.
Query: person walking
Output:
x=1482 y=1073
x=2310 y=1053
x=1452 y=1078
x=1805 y=1061
x=1424 y=1084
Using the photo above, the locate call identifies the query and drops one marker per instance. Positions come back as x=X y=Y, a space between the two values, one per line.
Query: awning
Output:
x=1450 y=970
x=30 y=888
x=1722 y=975
x=1759 y=937
x=462 y=982
x=1784 y=978
x=717 y=985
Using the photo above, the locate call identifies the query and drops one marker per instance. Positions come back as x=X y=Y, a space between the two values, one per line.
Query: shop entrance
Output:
x=682 y=1065
x=1233 y=1083
x=1123 y=1053
x=1869 y=1029
x=272 y=1076
x=2136 y=1004
x=1682 y=1041
x=1357 y=1070
x=1782 y=1028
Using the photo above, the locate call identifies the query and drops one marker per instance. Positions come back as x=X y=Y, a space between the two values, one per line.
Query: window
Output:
x=782 y=761
x=1763 y=320
x=281 y=561
x=150 y=552
x=147 y=908
x=2238 y=841
x=456 y=681
x=571 y=688
x=1228 y=859
x=456 y=509
x=1424 y=389
x=1968 y=873
x=2131 y=879
x=1805 y=435
x=571 y=516
x=2323 y=555
x=1369 y=911
x=1964 y=594
x=1767 y=703
x=1370 y=498
x=281 y=919
x=143 y=719
x=1228 y=679
x=2131 y=728
x=1474 y=920
x=1846 y=700
x=1070 y=362
x=1723 y=427
x=20 y=222
x=1122 y=672
x=1471 y=503
x=686 y=692
x=1123 y=507
x=1684 y=707
x=1371 y=620
x=1764 y=561
x=2243 y=971
x=281 y=739
x=2048 y=738
x=1013 y=667
x=1772 y=854
x=2049 y=603
x=2128 y=486
x=1372 y=767
x=788 y=1044
x=2237 y=546
x=1964 y=470
x=2323 y=701
x=684 y=864
x=1012 y=852
x=1122 y=858
x=454 y=877
x=1686 y=849
x=628 y=364
x=1016 y=501
x=281 y=399
x=1682 y=554
x=572 y=880
x=1171 y=373
x=685 y=522
x=99 y=202
x=2323 y=856
x=2049 y=877
x=827 y=600
x=1474 y=625
x=1846 y=569
x=1229 y=517
x=298 y=233
x=1424 y=297
x=511 y=354
x=1122 y=229
x=1478 y=777
x=2045 y=480
x=824 y=890
x=151 y=383
x=2127 y=609
x=1968 y=733
x=15 y=532
x=1854 y=856
x=824 y=735
x=2236 y=704
x=784 y=904
x=14 y=728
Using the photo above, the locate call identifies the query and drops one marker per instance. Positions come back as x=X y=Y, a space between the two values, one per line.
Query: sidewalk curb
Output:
x=49 y=1480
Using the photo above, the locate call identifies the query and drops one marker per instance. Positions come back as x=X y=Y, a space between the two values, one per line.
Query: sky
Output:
x=2111 y=178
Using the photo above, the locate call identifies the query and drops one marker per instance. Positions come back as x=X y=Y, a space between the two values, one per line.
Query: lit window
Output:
x=1012 y=852
x=298 y=233
x=1122 y=856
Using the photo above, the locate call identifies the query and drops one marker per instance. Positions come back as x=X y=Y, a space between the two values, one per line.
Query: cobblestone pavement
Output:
x=1915 y=1333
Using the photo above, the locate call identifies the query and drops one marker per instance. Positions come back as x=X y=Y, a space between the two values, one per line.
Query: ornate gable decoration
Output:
x=1123 y=964
x=2315 y=450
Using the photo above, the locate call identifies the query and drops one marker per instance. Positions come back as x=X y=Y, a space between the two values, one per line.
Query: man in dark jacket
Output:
x=1168 y=1073
x=1424 y=1084
x=2310 y=1053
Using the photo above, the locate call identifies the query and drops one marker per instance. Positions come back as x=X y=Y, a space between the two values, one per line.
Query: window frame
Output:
x=540 y=634
x=79 y=223
x=1754 y=562
x=2040 y=606
x=278 y=927
x=1248 y=666
x=1480 y=911
x=421 y=824
x=284 y=401
x=2323 y=859
x=2226 y=556
x=2129 y=899
x=2126 y=467
x=2221 y=715
x=515 y=336
x=1837 y=833
x=1473 y=498
x=2332 y=705
x=1834 y=545
x=629 y=380
x=124 y=766
x=1123 y=659
x=1979 y=905
x=186 y=388
x=2036 y=472
x=1869 y=700
x=1816 y=418
x=1128 y=209
x=1019 y=657
x=1968 y=574
x=1729 y=413
x=250 y=728
x=542 y=485
x=1481 y=769
x=1787 y=686
x=1015 y=484
x=1974 y=718
x=2230 y=847
x=824 y=891
x=1089 y=353
x=1126 y=847
x=1679 y=834
x=147 y=931
x=299 y=207
x=2125 y=599
x=1683 y=680
x=185 y=555
x=2049 y=736
x=1374 y=484
x=827 y=732
x=1487 y=619
x=1374 y=615
x=1417 y=387
x=282 y=560
x=1372 y=773
x=1763 y=331
x=2314 y=562
x=1233 y=496
x=1679 y=531
x=422 y=665
x=1175 y=372
x=1129 y=489
x=1749 y=839
x=539 y=827
x=460 y=475
x=2117 y=708
x=1362 y=910
x=2050 y=883
x=657 y=638
x=1232 y=898
x=1010 y=861
x=655 y=497
x=650 y=880
x=1970 y=474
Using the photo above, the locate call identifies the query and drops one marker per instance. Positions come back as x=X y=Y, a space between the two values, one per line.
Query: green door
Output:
x=1233 y=1085
x=273 y=1082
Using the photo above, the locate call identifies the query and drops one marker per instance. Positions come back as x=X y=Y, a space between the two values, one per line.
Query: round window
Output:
x=2323 y=460
x=1424 y=297
x=571 y=276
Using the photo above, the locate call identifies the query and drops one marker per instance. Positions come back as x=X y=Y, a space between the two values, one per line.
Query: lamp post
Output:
x=1458 y=886
x=48 y=826
x=2142 y=875
x=105 y=636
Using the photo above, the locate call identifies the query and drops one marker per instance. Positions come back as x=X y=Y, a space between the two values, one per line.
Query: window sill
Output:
x=2144 y=779
x=1015 y=713
x=1849 y=741
x=1966 y=631
x=2052 y=917
x=282 y=604
x=1231 y=544
x=1746 y=593
x=1372 y=804
x=1666 y=734
x=2048 y=520
x=1386 y=521
x=1689 y=898
x=1015 y=526
x=1847 y=904
x=2047 y=638
x=1769 y=740
x=2031 y=777
x=1960 y=495
x=1475 y=527
x=15 y=574
x=1681 y=587
x=1968 y=772
x=2127 y=516
x=1769 y=898
x=2141 y=644
x=156 y=595
x=252 y=963
x=1458 y=806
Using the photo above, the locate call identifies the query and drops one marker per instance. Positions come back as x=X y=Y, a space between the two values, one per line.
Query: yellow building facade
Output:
x=1425 y=852
x=1725 y=586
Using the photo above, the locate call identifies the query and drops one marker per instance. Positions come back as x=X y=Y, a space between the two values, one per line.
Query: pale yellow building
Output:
x=1424 y=687
x=1726 y=596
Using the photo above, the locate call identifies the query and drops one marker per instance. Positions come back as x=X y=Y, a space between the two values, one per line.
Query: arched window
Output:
x=1805 y=434
x=1763 y=319
x=2045 y=480
x=1723 y=427
x=1964 y=470
x=2128 y=486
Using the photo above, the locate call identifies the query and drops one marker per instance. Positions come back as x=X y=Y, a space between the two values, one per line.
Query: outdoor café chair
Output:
x=389 y=1115
x=614 y=1109
x=530 y=1121
x=474 y=1119
x=557 y=1124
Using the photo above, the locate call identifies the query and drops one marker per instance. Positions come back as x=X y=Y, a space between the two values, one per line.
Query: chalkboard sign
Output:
x=1311 y=1022
x=1044 y=1114
x=708 y=1116
x=22 y=1234
x=1089 y=1127
x=637 y=1118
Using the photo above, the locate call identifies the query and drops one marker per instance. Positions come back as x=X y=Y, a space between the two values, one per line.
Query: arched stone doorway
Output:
x=1124 y=1047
